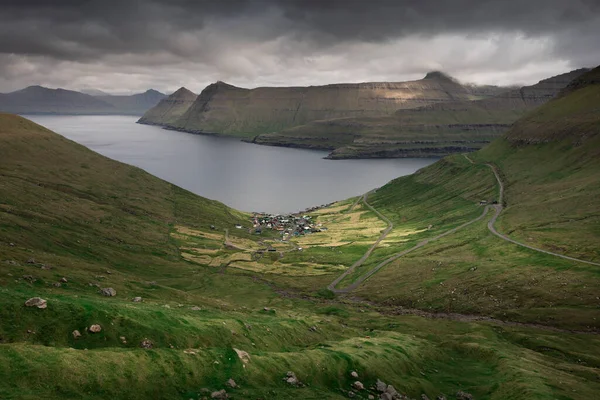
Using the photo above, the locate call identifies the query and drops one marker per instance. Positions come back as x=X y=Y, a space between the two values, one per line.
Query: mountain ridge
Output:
x=38 y=99
x=225 y=109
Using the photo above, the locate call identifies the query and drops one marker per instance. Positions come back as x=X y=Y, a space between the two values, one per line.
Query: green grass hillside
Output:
x=66 y=212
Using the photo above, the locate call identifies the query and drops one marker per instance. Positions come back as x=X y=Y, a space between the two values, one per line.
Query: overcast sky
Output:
x=132 y=45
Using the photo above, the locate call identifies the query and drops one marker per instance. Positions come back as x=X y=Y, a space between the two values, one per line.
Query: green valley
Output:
x=151 y=291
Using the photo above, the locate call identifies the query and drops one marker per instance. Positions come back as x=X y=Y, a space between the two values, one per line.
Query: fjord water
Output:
x=242 y=175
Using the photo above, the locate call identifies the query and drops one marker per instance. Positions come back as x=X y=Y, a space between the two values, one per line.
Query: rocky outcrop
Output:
x=169 y=109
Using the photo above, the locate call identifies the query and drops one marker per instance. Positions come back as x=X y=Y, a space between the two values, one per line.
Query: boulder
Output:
x=36 y=302
x=108 y=292
x=95 y=328
x=29 y=278
x=291 y=379
x=146 y=344
x=358 y=385
x=380 y=386
x=460 y=395
x=221 y=394
x=76 y=334
x=31 y=261
x=137 y=299
x=424 y=397
x=371 y=397
x=63 y=280
x=386 y=396
x=231 y=383
x=354 y=374
x=57 y=284
x=391 y=390
x=243 y=355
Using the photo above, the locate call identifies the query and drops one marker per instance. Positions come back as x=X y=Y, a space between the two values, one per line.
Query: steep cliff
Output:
x=225 y=109
x=169 y=109
x=432 y=130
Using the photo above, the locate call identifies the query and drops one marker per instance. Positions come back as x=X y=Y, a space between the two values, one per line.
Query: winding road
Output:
x=497 y=210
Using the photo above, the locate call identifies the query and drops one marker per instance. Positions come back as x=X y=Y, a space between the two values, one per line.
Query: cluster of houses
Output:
x=289 y=225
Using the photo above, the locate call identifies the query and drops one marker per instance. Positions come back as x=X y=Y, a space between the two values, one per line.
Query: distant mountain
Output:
x=136 y=104
x=170 y=108
x=432 y=130
x=41 y=100
x=94 y=92
x=229 y=110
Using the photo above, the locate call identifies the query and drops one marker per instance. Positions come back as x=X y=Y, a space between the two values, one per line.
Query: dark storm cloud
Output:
x=262 y=40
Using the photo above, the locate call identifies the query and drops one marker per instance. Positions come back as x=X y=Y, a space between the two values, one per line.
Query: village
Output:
x=289 y=225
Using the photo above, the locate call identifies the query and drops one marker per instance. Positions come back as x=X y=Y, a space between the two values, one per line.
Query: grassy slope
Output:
x=550 y=164
x=83 y=214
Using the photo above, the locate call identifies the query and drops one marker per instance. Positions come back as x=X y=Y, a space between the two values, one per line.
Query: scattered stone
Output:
x=233 y=332
x=108 y=292
x=123 y=339
x=196 y=308
x=460 y=395
x=386 y=396
x=146 y=344
x=108 y=272
x=29 y=278
x=31 y=261
x=380 y=386
x=441 y=397
x=46 y=267
x=36 y=302
x=64 y=280
x=11 y=244
x=248 y=326
x=93 y=284
x=473 y=268
x=424 y=397
x=266 y=309
x=391 y=390
x=291 y=379
x=371 y=397
x=11 y=262
x=351 y=394
x=167 y=306
x=354 y=374
x=244 y=356
x=231 y=383
x=313 y=328
x=190 y=352
x=358 y=385
x=95 y=328
x=137 y=299
x=57 y=284
x=221 y=394
x=76 y=334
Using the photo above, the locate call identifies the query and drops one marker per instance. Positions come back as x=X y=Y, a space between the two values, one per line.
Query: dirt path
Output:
x=497 y=210
x=365 y=256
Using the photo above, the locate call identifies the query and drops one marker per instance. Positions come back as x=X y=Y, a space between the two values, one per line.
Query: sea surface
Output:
x=242 y=175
